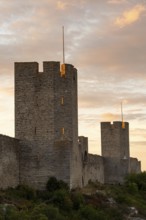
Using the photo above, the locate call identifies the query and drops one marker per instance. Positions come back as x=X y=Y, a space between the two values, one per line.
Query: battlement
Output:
x=115 y=139
x=32 y=68
x=46 y=102
x=114 y=125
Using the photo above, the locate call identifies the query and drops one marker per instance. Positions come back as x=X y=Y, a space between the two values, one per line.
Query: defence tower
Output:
x=46 y=120
x=115 y=150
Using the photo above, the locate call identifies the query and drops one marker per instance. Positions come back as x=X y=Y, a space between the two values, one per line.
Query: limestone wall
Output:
x=61 y=162
x=83 y=145
x=115 y=150
x=115 y=170
x=9 y=162
x=135 y=165
x=46 y=114
x=115 y=140
x=34 y=164
x=93 y=169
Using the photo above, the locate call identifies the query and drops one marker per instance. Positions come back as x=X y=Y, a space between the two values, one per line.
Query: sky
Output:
x=104 y=40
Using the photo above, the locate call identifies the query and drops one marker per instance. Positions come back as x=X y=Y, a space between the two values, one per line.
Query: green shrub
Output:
x=77 y=200
x=39 y=217
x=61 y=199
x=44 y=195
x=138 y=179
x=53 y=184
x=21 y=191
x=115 y=213
x=47 y=212
x=9 y=212
x=132 y=188
x=90 y=213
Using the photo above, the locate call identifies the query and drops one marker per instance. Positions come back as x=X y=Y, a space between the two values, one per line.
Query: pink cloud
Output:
x=130 y=16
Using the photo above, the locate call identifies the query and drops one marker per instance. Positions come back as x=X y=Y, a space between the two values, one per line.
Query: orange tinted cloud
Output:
x=61 y=5
x=110 y=117
x=130 y=16
x=116 y=1
x=7 y=91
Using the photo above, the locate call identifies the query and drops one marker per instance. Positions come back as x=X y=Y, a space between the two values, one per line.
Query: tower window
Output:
x=62 y=100
x=62 y=131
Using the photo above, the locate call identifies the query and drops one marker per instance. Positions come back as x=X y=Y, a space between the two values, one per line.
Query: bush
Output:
x=53 y=184
x=90 y=213
x=44 y=212
x=116 y=214
x=11 y=213
x=138 y=179
x=61 y=199
x=23 y=191
x=132 y=188
x=77 y=200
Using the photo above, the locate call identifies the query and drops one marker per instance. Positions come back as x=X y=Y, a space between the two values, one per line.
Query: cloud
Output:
x=130 y=16
x=116 y=1
x=140 y=133
x=7 y=91
x=110 y=117
x=61 y=5
x=110 y=61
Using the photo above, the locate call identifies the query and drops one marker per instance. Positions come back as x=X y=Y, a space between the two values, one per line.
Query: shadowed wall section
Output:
x=9 y=162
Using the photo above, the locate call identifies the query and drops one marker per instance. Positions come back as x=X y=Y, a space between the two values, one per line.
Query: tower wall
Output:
x=115 y=151
x=115 y=139
x=25 y=100
x=135 y=165
x=45 y=118
x=115 y=170
x=93 y=169
x=9 y=162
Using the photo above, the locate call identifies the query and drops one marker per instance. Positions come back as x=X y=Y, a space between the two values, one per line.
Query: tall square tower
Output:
x=115 y=150
x=46 y=122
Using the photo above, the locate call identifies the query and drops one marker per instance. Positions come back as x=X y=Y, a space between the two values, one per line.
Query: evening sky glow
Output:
x=104 y=40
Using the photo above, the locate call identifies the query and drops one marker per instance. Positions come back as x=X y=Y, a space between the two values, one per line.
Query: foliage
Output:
x=22 y=191
x=53 y=184
x=132 y=193
x=62 y=199
x=77 y=200
x=89 y=213
x=58 y=203
x=47 y=212
x=137 y=181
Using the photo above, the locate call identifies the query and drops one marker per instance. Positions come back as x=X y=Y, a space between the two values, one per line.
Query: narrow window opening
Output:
x=62 y=131
x=62 y=100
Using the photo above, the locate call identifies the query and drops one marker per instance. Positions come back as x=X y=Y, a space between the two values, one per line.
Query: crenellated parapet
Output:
x=115 y=139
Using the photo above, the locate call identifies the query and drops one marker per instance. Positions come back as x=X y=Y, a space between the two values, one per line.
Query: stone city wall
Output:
x=135 y=165
x=93 y=169
x=115 y=170
x=9 y=162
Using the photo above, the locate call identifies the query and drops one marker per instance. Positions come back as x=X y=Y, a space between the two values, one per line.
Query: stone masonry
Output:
x=46 y=139
x=46 y=118
x=9 y=162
